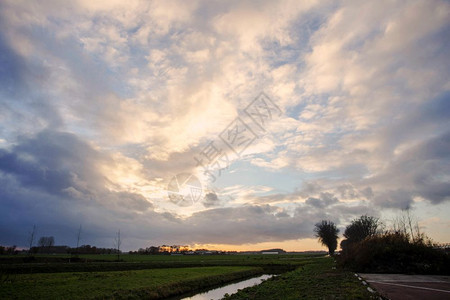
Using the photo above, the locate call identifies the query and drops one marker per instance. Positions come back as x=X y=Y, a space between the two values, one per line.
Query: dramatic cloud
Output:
x=103 y=103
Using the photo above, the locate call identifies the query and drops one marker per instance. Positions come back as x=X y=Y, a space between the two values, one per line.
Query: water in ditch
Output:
x=218 y=293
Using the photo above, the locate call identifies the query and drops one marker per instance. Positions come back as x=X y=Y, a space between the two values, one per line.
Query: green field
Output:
x=86 y=285
x=55 y=263
x=161 y=276
x=170 y=258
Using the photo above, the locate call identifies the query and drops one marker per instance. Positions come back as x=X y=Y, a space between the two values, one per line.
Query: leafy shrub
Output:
x=394 y=252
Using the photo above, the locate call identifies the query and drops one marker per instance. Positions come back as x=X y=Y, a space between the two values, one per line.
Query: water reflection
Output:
x=218 y=293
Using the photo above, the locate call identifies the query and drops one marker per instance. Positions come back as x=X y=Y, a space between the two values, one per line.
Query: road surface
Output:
x=409 y=287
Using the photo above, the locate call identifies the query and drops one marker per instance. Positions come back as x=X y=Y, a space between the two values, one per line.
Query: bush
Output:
x=393 y=252
x=361 y=228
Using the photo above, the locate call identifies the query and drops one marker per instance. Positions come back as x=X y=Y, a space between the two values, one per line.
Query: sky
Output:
x=232 y=125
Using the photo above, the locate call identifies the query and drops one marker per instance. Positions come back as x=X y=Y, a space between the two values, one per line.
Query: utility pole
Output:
x=118 y=242
x=32 y=234
x=78 y=240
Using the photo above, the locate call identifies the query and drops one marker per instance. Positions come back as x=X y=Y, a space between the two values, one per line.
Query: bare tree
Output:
x=31 y=240
x=408 y=225
x=117 y=243
x=46 y=242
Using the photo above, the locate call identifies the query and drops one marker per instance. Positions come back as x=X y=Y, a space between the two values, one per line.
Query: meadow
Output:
x=162 y=276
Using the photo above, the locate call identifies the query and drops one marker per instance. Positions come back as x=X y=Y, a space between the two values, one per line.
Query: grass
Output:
x=317 y=280
x=160 y=276
x=150 y=284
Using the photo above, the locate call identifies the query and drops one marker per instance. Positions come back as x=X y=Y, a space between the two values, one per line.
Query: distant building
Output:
x=273 y=251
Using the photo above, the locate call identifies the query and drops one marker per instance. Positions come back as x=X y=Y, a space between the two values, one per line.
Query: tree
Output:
x=361 y=228
x=153 y=250
x=46 y=242
x=9 y=250
x=327 y=233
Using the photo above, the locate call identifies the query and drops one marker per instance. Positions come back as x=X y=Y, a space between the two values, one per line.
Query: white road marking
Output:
x=410 y=286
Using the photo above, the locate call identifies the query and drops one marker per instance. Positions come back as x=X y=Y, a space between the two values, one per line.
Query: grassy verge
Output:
x=318 y=280
x=135 y=284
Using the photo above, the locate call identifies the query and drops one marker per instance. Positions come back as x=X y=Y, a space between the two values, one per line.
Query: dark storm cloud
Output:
x=51 y=161
x=61 y=164
x=247 y=224
x=52 y=179
x=420 y=171
x=21 y=100
x=432 y=115
x=325 y=199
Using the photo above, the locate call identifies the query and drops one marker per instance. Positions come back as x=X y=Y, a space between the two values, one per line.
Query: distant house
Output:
x=203 y=252
x=273 y=251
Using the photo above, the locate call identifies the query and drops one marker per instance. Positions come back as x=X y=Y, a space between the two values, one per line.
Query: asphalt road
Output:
x=409 y=287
